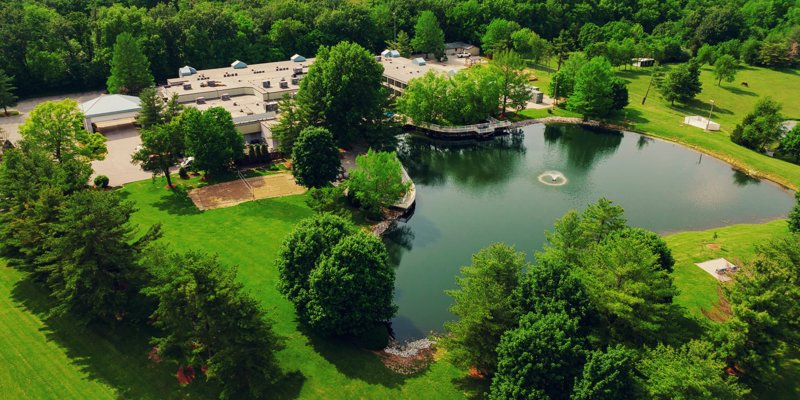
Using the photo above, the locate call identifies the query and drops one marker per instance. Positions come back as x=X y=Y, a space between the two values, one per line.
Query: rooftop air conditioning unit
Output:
x=212 y=83
x=187 y=86
x=266 y=84
x=284 y=84
x=225 y=97
x=295 y=81
x=298 y=71
x=200 y=100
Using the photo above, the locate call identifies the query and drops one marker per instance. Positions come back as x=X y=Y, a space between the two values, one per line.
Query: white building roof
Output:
x=186 y=71
x=418 y=61
x=298 y=58
x=109 y=105
x=238 y=64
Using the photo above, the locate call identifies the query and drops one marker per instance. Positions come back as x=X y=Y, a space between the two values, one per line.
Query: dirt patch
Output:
x=713 y=246
x=228 y=194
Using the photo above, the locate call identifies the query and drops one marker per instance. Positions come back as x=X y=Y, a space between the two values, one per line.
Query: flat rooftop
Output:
x=238 y=106
x=403 y=69
x=229 y=78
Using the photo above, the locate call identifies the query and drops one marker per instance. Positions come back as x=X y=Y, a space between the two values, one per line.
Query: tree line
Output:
x=56 y=46
x=594 y=317
x=78 y=242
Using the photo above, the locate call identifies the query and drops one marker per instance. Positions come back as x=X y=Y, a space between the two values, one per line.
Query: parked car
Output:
x=464 y=54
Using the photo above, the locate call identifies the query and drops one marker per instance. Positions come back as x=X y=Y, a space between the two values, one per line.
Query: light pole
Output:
x=708 y=121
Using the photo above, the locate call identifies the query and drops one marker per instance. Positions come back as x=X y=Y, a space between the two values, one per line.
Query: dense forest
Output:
x=60 y=45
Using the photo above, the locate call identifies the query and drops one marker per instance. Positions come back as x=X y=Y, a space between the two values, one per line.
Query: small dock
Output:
x=474 y=131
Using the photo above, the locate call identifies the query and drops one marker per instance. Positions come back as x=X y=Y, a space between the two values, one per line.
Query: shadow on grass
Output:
x=288 y=386
x=682 y=327
x=738 y=91
x=473 y=389
x=699 y=107
x=112 y=355
x=354 y=362
x=176 y=202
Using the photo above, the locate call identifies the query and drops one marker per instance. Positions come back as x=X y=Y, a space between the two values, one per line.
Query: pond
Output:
x=512 y=188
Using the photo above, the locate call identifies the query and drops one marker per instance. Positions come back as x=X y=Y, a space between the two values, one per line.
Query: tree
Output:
x=654 y=242
x=210 y=324
x=593 y=91
x=162 y=146
x=342 y=91
x=425 y=99
x=513 y=80
x=154 y=110
x=761 y=127
x=619 y=94
x=794 y=216
x=725 y=68
x=428 y=36
x=790 y=144
x=607 y=375
x=498 y=35
x=563 y=81
x=312 y=239
x=402 y=43
x=130 y=69
x=352 y=287
x=377 y=181
x=7 y=88
x=92 y=267
x=628 y=289
x=707 y=54
x=540 y=359
x=290 y=124
x=212 y=139
x=315 y=158
x=693 y=371
x=57 y=127
x=682 y=83
x=486 y=306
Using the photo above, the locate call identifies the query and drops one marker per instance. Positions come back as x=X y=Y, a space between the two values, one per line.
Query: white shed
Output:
x=186 y=71
x=701 y=122
x=238 y=65
x=297 y=58
x=112 y=107
x=418 y=61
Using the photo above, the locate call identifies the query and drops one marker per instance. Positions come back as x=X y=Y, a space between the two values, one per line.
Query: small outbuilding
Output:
x=238 y=65
x=701 y=122
x=454 y=48
x=418 y=61
x=643 y=62
x=297 y=58
x=116 y=108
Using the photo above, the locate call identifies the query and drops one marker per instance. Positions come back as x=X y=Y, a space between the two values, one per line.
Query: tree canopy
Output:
x=761 y=127
x=377 y=181
x=315 y=158
x=130 y=68
x=592 y=94
x=725 y=69
x=57 y=127
x=212 y=139
x=7 y=88
x=682 y=83
x=428 y=36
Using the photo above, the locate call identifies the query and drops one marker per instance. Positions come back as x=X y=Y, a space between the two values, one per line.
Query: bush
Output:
x=183 y=173
x=101 y=181
x=327 y=199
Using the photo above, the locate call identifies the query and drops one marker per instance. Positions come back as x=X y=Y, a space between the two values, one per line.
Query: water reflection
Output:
x=582 y=150
x=399 y=239
x=742 y=179
x=476 y=165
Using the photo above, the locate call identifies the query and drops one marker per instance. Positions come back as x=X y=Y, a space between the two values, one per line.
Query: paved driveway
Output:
x=117 y=165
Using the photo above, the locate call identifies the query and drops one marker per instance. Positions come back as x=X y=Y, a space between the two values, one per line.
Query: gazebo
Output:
x=111 y=107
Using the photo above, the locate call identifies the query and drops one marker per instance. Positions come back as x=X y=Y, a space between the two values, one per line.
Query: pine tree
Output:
x=428 y=36
x=7 y=97
x=130 y=69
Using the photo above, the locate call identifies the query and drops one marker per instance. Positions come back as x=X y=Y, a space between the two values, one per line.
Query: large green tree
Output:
x=725 y=68
x=352 y=287
x=92 y=264
x=607 y=375
x=212 y=139
x=342 y=91
x=761 y=127
x=154 y=110
x=7 y=88
x=206 y=320
x=592 y=95
x=162 y=146
x=514 y=89
x=315 y=158
x=377 y=181
x=498 y=35
x=428 y=36
x=402 y=44
x=57 y=128
x=486 y=305
x=130 y=69
x=691 y=372
x=682 y=83
x=540 y=359
x=563 y=81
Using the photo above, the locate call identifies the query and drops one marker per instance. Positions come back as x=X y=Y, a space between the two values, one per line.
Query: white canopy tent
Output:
x=701 y=122
x=109 y=108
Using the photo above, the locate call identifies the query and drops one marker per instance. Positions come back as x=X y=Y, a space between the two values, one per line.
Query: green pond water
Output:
x=472 y=194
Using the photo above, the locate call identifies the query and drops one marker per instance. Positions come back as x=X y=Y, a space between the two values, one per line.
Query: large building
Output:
x=251 y=92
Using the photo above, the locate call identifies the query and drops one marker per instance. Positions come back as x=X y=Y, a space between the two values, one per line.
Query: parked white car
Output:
x=464 y=55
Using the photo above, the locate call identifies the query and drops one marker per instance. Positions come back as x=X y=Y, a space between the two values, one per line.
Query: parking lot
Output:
x=117 y=165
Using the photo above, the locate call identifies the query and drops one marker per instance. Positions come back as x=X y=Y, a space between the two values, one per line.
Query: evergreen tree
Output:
x=619 y=94
x=130 y=69
x=402 y=44
x=315 y=158
x=154 y=110
x=91 y=266
x=498 y=35
x=607 y=375
x=486 y=306
x=428 y=36
x=7 y=88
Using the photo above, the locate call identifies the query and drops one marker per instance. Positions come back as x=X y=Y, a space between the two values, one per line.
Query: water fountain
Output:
x=553 y=178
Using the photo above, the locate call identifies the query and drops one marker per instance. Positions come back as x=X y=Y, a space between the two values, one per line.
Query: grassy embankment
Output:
x=732 y=101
